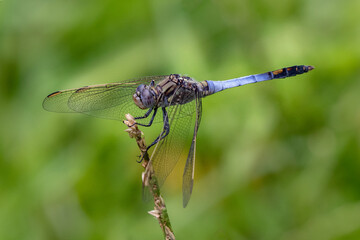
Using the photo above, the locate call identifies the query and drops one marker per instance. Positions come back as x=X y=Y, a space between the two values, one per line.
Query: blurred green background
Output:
x=275 y=160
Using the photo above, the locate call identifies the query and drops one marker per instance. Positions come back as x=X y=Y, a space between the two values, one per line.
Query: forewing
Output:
x=111 y=100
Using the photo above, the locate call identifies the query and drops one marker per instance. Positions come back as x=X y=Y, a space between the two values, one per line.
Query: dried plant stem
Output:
x=149 y=179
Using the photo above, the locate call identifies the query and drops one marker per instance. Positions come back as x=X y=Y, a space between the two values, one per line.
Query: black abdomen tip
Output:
x=300 y=69
x=310 y=68
x=291 y=71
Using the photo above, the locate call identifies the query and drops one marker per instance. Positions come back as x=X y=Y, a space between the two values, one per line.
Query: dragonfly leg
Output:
x=145 y=116
x=165 y=131
x=163 y=134
x=166 y=124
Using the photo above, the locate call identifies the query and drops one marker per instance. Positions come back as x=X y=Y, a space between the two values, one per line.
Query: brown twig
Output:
x=149 y=179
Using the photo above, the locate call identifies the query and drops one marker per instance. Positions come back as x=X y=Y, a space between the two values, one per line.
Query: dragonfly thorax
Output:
x=144 y=97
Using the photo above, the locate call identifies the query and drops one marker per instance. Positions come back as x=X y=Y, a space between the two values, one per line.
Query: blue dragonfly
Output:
x=178 y=97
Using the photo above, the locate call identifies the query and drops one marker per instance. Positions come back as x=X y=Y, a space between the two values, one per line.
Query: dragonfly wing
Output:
x=188 y=176
x=111 y=100
x=57 y=101
x=169 y=150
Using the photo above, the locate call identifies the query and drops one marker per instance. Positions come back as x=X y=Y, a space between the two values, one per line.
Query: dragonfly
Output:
x=178 y=97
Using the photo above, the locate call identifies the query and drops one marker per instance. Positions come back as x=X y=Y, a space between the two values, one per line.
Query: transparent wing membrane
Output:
x=110 y=101
x=189 y=170
x=173 y=147
x=168 y=151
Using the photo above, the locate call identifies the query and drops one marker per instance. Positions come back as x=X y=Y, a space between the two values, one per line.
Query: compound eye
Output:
x=147 y=98
x=139 y=89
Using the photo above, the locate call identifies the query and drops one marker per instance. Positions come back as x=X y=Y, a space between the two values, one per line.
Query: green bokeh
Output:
x=275 y=160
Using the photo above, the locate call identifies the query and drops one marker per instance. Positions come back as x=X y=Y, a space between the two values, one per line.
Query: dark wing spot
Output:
x=83 y=89
x=54 y=94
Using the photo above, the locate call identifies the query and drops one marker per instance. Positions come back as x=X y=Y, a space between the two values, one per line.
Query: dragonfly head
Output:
x=144 y=97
